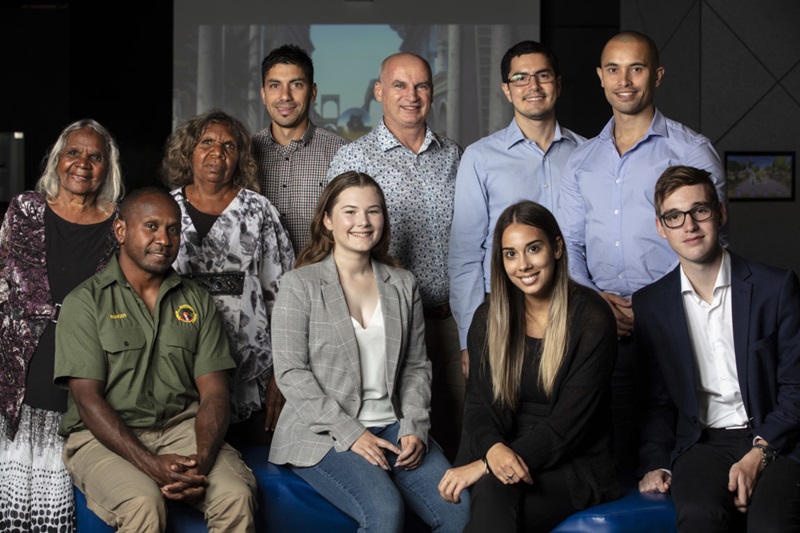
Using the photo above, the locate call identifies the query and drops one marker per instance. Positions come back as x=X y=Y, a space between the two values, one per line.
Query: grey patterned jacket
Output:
x=317 y=366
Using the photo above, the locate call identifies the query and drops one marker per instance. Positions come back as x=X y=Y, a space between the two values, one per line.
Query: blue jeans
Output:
x=376 y=498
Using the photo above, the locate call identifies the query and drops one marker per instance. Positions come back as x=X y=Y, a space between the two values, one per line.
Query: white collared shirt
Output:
x=719 y=398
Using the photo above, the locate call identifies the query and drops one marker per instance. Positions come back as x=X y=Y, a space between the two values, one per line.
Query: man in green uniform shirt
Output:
x=145 y=357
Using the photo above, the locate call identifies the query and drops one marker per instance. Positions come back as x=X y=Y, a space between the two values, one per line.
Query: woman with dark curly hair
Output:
x=233 y=244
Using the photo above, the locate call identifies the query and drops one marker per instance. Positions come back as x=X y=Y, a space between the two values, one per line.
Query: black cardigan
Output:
x=576 y=434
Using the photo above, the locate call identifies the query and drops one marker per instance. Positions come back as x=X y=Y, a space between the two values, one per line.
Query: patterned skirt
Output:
x=35 y=488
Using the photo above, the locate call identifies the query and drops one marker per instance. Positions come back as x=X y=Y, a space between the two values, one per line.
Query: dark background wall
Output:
x=726 y=60
x=64 y=61
x=70 y=60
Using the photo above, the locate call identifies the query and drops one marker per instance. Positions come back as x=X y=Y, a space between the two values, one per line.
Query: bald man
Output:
x=417 y=170
x=606 y=208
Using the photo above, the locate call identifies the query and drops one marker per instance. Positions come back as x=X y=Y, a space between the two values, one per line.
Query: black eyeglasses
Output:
x=521 y=79
x=675 y=219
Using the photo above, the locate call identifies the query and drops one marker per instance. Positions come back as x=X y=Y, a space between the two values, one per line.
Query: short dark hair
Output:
x=677 y=176
x=133 y=197
x=288 y=54
x=524 y=48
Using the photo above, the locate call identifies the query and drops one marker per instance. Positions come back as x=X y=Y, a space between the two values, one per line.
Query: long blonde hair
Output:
x=506 y=328
x=320 y=242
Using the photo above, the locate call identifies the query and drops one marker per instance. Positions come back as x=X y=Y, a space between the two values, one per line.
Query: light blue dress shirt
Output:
x=495 y=172
x=607 y=212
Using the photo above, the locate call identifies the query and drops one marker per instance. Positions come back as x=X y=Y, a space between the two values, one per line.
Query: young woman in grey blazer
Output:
x=349 y=356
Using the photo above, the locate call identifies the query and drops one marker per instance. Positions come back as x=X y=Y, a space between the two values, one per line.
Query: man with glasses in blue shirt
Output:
x=606 y=204
x=719 y=337
x=525 y=161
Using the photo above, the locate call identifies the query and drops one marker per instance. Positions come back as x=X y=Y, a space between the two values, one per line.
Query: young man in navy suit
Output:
x=720 y=339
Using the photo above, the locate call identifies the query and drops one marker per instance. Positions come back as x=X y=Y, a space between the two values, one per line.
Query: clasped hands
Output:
x=504 y=463
x=371 y=448
x=180 y=477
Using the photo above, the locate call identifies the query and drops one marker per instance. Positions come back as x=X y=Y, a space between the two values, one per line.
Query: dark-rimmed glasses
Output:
x=675 y=219
x=521 y=79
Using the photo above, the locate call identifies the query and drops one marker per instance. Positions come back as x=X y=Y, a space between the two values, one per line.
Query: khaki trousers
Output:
x=126 y=498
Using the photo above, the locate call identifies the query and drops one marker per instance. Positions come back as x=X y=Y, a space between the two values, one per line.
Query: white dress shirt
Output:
x=719 y=398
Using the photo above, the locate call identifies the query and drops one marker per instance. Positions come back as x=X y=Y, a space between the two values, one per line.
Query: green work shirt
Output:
x=148 y=362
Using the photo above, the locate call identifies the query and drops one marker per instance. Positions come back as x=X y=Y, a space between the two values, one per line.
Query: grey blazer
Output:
x=317 y=368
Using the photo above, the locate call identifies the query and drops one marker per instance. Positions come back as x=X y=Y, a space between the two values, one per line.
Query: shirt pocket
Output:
x=123 y=348
x=177 y=347
x=118 y=340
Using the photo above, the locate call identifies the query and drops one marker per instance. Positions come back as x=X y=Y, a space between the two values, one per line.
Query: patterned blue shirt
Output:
x=419 y=190
x=495 y=172
x=607 y=213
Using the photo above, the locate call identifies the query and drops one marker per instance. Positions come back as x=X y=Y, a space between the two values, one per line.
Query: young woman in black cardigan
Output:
x=537 y=415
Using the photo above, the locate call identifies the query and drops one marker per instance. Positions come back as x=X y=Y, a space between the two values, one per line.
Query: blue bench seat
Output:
x=287 y=504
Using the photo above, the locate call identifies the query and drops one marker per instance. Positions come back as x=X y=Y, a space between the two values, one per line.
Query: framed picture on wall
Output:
x=760 y=175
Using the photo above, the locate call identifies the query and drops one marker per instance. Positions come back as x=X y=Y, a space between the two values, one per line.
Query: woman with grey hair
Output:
x=51 y=240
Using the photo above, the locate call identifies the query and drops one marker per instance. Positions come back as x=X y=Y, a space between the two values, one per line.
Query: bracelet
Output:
x=767 y=453
x=486 y=464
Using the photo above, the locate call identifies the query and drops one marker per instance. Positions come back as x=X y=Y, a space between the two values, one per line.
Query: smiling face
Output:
x=530 y=260
x=405 y=89
x=694 y=242
x=216 y=155
x=356 y=220
x=83 y=163
x=629 y=75
x=149 y=235
x=288 y=96
x=537 y=100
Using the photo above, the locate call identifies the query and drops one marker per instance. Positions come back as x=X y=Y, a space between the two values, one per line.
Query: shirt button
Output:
x=616 y=211
x=616 y=243
x=617 y=181
x=546 y=185
x=619 y=276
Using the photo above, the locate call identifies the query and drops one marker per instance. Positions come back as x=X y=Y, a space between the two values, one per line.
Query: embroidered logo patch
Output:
x=185 y=313
x=117 y=317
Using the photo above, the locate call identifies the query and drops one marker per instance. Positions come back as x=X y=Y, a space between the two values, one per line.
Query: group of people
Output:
x=398 y=318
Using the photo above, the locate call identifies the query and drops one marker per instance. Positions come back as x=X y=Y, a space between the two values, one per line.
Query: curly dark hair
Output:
x=176 y=166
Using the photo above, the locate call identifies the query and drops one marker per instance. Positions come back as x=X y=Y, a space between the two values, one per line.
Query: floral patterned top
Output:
x=26 y=305
x=247 y=237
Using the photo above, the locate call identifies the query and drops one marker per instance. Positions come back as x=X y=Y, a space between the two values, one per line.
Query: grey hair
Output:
x=112 y=188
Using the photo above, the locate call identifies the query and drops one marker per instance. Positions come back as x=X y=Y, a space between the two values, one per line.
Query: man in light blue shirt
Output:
x=606 y=209
x=524 y=161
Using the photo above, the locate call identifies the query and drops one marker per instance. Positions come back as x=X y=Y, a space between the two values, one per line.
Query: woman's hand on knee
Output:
x=507 y=466
x=460 y=479
x=371 y=448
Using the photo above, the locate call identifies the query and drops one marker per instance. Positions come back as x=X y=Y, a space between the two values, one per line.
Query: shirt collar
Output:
x=723 y=276
x=658 y=127
x=112 y=273
x=304 y=139
x=514 y=135
x=388 y=141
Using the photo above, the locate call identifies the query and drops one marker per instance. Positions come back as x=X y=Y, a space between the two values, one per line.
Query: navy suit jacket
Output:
x=765 y=305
